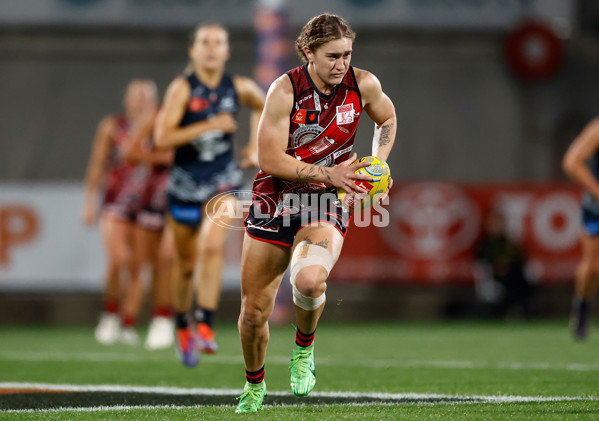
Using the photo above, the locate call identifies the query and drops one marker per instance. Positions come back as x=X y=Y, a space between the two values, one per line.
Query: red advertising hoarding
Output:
x=429 y=231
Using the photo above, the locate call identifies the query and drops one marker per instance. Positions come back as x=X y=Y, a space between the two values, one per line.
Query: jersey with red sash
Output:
x=126 y=181
x=321 y=131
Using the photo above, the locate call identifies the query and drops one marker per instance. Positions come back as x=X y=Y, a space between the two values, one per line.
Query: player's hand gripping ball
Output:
x=380 y=173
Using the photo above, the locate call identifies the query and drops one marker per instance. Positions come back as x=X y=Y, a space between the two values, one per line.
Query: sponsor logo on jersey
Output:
x=306 y=117
x=258 y=227
x=197 y=105
x=345 y=114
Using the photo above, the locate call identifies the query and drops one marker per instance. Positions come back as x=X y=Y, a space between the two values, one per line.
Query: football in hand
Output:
x=379 y=171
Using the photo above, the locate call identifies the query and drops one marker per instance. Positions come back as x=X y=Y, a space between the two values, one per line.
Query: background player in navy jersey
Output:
x=305 y=139
x=124 y=183
x=583 y=151
x=197 y=120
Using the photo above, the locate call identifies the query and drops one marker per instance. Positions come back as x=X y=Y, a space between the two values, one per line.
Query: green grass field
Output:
x=365 y=371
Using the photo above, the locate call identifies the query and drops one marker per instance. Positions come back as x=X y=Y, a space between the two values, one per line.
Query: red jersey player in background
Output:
x=124 y=184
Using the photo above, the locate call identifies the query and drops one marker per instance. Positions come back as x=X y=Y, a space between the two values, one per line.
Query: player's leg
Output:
x=162 y=255
x=214 y=230
x=185 y=238
x=115 y=233
x=135 y=289
x=316 y=249
x=262 y=268
x=587 y=277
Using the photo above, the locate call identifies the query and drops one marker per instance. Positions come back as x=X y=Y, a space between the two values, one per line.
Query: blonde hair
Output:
x=321 y=29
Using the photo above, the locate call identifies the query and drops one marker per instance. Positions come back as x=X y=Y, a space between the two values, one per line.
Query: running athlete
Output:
x=305 y=141
x=123 y=183
x=197 y=119
x=157 y=248
x=585 y=149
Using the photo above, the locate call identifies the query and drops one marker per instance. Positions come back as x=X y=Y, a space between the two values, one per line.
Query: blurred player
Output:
x=583 y=151
x=123 y=183
x=157 y=248
x=305 y=139
x=197 y=119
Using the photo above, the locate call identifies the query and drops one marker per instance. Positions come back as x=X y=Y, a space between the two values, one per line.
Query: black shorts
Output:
x=282 y=229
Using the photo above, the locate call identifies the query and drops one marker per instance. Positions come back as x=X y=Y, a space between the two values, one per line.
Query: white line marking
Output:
x=375 y=396
x=284 y=360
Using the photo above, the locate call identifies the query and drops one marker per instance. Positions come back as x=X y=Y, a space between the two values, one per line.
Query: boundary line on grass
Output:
x=278 y=398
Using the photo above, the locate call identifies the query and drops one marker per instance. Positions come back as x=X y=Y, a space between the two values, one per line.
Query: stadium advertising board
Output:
x=428 y=236
x=44 y=245
x=434 y=228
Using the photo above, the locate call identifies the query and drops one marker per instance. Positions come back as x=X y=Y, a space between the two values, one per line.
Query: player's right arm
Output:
x=168 y=134
x=273 y=134
x=95 y=168
x=583 y=148
x=137 y=150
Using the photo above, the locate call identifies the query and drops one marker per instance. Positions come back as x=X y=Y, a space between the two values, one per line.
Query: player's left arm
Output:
x=253 y=97
x=381 y=110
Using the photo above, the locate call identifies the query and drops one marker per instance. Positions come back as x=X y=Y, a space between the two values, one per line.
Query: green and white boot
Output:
x=252 y=397
x=303 y=373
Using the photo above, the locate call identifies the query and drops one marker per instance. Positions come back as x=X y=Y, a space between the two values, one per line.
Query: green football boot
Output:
x=303 y=374
x=252 y=397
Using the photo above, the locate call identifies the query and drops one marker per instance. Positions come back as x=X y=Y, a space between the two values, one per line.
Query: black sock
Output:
x=181 y=320
x=255 y=377
x=303 y=340
x=204 y=316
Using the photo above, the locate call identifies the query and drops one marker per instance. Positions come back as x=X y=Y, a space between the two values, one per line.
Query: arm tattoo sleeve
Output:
x=311 y=173
x=385 y=135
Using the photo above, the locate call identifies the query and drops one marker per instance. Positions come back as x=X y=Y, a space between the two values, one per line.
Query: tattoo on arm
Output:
x=385 y=135
x=311 y=173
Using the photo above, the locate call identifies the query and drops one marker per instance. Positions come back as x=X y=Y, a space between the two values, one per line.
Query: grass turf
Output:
x=466 y=359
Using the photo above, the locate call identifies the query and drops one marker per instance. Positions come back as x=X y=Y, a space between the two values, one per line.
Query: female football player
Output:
x=197 y=120
x=123 y=183
x=305 y=140
x=583 y=151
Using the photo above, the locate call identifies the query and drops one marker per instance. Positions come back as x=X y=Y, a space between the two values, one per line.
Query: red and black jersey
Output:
x=125 y=181
x=321 y=131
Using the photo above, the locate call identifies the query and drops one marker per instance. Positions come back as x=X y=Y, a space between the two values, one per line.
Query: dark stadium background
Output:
x=471 y=124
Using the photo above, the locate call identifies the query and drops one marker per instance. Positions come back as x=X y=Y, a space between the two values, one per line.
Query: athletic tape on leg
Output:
x=305 y=255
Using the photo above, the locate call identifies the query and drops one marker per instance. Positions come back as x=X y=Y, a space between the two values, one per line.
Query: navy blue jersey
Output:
x=588 y=201
x=206 y=166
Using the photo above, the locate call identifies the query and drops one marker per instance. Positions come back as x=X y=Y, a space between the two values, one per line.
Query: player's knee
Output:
x=251 y=316
x=310 y=267
x=587 y=269
x=165 y=259
x=121 y=259
x=185 y=269
x=592 y=270
x=210 y=249
x=311 y=281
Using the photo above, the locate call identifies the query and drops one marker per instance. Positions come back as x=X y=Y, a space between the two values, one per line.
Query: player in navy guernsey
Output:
x=584 y=151
x=305 y=141
x=197 y=120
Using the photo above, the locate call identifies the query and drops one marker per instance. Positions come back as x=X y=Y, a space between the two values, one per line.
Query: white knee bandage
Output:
x=305 y=255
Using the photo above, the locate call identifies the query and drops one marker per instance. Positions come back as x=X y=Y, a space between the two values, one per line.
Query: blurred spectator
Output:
x=502 y=281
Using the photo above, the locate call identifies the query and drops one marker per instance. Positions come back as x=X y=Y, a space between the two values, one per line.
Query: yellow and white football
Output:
x=379 y=171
